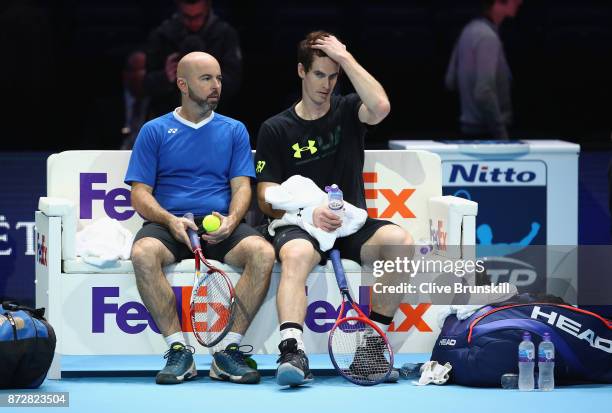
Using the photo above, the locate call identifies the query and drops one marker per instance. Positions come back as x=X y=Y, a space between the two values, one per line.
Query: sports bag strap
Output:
x=13 y=306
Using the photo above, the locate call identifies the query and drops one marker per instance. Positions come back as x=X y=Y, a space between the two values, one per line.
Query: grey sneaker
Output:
x=293 y=369
x=179 y=367
x=234 y=365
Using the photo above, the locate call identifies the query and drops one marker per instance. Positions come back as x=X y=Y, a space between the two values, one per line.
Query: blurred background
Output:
x=62 y=63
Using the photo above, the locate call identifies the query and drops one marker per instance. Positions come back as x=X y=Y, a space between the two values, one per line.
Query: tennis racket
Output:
x=212 y=299
x=359 y=350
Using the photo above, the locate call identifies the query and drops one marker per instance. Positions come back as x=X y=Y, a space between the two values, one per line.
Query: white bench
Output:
x=97 y=311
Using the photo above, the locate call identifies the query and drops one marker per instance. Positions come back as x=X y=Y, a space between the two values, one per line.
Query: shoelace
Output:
x=286 y=355
x=239 y=355
x=174 y=356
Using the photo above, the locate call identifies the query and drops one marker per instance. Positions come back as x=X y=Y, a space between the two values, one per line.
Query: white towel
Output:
x=299 y=196
x=104 y=242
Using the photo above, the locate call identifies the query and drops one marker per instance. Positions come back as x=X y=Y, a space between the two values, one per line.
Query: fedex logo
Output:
x=438 y=235
x=41 y=250
x=133 y=318
x=397 y=201
x=116 y=202
x=495 y=173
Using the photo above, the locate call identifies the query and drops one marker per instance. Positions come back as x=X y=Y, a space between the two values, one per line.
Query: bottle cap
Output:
x=526 y=336
x=546 y=337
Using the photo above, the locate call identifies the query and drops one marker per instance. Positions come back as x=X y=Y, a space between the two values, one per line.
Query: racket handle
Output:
x=194 y=239
x=334 y=255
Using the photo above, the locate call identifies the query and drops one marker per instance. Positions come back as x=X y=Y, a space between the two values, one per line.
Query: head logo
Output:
x=113 y=199
x=260 y=166
x=448 y=342
x=438 y=235
x=397 y=201
x=298 y=150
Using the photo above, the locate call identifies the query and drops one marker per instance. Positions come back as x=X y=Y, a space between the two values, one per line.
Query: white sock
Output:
x=230 y=338
x=295 y=333
x=175 y=338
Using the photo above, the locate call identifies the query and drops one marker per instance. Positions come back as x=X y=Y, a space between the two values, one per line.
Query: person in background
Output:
x=136 y=104
x=479 y=71
x=195 y=27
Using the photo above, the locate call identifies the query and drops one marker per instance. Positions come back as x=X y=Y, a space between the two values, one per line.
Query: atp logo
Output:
x=298 y=150
x=260 y=166
x=397 y=201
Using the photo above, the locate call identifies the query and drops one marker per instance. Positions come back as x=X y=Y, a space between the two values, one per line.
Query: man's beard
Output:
x=202 y=103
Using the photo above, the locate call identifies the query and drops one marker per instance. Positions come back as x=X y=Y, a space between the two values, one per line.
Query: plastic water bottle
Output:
x=335 y=202
x=526 y=361
x=546 y=364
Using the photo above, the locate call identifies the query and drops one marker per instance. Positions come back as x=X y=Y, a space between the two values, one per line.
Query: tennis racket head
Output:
x=358 y=349
x=212 y=306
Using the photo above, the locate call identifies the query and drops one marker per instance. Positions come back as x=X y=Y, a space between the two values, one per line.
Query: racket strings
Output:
x=362 y=355
x=211 y=308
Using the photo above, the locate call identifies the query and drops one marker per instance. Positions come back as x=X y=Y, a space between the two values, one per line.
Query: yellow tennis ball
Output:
x=211 y=223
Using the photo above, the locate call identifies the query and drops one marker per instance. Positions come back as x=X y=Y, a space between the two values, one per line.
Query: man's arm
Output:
x=265 y=207
x=375 y=103
x=485 y=90
x=160 y=75
x=146 y=205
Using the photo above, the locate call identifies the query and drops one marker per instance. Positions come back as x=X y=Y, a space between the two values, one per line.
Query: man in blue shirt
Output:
x=195 y=160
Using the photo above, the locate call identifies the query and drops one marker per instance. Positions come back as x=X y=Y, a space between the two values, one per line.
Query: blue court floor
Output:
x=95 y=391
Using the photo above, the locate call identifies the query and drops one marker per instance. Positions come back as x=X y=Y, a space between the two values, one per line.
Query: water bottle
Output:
x=335 y=202
x=546 y=364
x=526 y=361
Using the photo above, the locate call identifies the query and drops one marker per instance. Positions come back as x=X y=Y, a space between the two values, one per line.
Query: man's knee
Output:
x=260 y=251
x=299 y=253
x=394 y=235
x=145 y=255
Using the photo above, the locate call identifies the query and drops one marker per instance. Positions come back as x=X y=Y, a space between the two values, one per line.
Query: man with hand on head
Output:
x=321 y=137
x=195 y=160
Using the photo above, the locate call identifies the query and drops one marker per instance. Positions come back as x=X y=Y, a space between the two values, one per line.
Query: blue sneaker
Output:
x=179 y=367
x=234 y=365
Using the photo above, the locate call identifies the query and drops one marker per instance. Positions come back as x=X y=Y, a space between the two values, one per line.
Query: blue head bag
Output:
x=27 y=345
x=485 y=346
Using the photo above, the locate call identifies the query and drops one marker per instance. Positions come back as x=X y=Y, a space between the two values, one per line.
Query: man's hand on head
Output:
x=333 y=48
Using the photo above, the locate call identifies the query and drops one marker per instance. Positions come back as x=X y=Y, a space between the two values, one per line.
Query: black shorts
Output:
x=349 y=247
x=181 y=251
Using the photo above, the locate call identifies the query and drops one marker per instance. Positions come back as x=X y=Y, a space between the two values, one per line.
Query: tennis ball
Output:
x=211 y=223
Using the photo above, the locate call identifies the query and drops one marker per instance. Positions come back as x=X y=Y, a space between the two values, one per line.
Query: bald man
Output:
x=195 y=160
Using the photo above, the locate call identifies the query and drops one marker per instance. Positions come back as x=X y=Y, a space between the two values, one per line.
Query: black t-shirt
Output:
x=328 y=150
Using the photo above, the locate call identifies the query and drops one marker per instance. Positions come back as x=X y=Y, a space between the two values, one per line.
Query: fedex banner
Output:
x=103 y=313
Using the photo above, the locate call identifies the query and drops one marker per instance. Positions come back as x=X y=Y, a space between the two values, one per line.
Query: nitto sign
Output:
x=132 y=317
x=494 y=173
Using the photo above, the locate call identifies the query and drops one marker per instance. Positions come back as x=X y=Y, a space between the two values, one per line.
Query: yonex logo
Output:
x=260 y=166
x=172 y=130
x=298 y=151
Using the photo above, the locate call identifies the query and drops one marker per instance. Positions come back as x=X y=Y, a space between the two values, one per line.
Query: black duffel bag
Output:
x=27 y=345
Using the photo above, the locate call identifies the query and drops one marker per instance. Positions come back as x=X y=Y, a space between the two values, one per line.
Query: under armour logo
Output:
x=260 y=166
x=298 y=151
x=172 y=130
